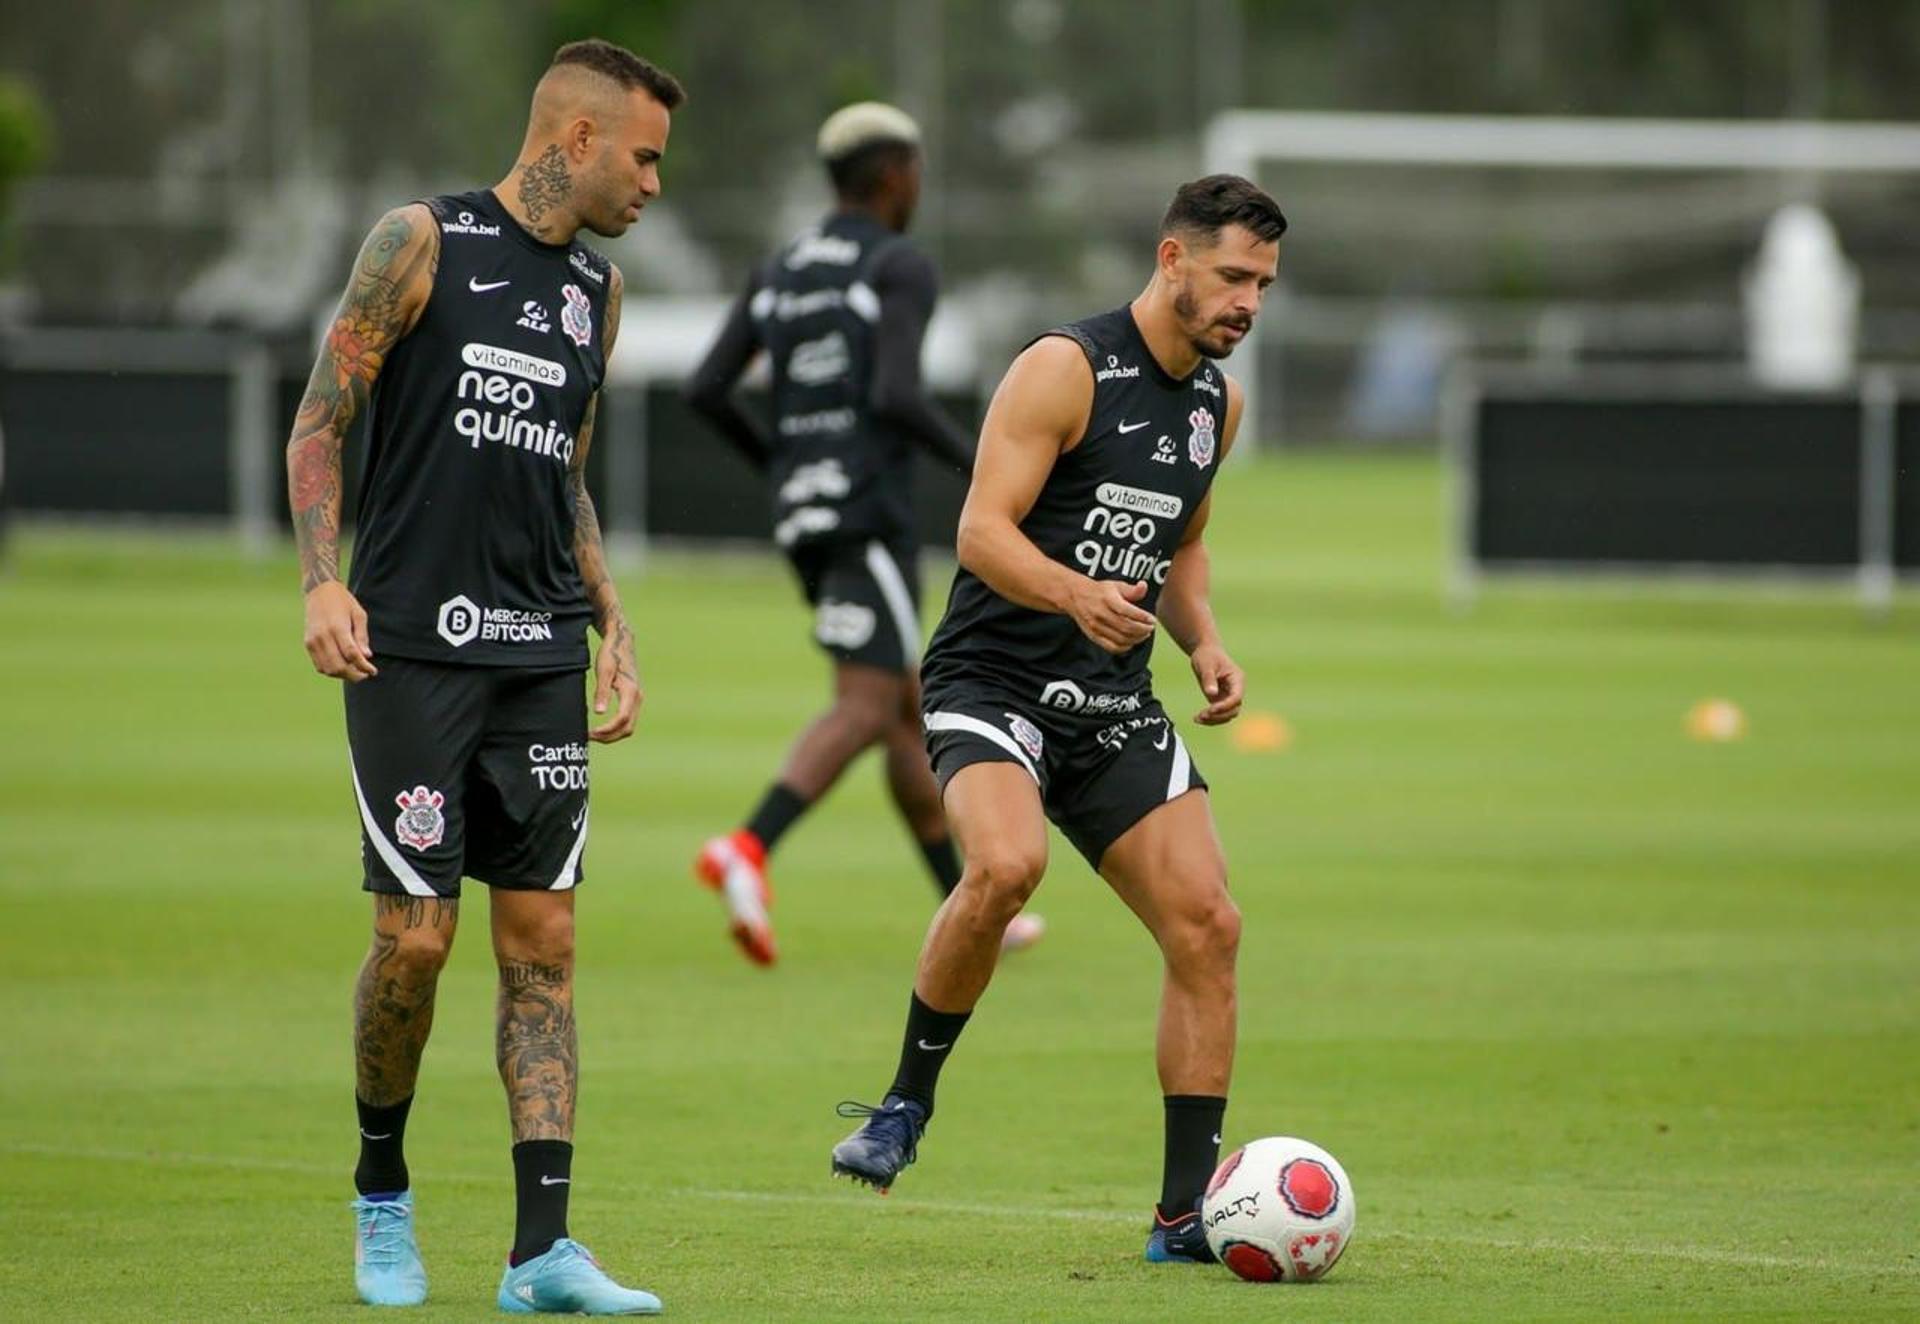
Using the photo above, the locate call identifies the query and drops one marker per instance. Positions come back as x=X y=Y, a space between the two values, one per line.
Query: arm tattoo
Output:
x=393 y=1001
x=372 y=316
x=538 y=1049
x=544 y=185
x=589 y=551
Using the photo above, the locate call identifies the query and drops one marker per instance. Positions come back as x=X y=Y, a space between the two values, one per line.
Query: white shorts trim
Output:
x=986 y=730
x=1181 y=779
x=893 y=590
x=570 y=871
x=389 y=853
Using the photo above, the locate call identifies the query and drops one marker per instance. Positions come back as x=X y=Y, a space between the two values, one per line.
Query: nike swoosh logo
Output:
x=1126 y=427
x=1216 y=1137
x=474 y=284
x=934 y=1048
x=555 y=1181
x=387 y=1136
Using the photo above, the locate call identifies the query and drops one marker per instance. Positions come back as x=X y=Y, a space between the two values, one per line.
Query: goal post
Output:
x=1245 y=141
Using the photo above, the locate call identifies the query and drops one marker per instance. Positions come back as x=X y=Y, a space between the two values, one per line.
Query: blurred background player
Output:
x=841 y=312
x=1084 y=520
x=478 y=328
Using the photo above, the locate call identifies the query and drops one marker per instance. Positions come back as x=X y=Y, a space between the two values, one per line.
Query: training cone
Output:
x=1716 y=720
x=1261 y=733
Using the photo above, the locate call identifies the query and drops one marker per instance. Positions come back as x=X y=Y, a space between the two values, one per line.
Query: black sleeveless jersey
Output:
x=1114 y=507
x=838 y=473
x=465 y=545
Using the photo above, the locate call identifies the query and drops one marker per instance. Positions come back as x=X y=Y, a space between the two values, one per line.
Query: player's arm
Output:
x=1185 y=608
x=1038 y=413
x=710 y=390
x=908 y=286
x=616 y=674
x=392 y=279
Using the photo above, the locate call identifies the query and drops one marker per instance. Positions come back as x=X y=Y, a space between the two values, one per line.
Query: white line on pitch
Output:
x=1541 y=1245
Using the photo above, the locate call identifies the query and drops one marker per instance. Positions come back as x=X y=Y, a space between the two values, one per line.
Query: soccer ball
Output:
x=1279 y=1210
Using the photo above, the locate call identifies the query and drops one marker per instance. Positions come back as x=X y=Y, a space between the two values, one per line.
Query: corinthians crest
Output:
x=1200 y=440
x=1027 y=734
x=576 y=319
x=421 y=824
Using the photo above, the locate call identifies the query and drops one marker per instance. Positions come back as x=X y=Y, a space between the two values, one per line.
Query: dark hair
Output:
x=856 y=175
x=624 y=68
x=1201 y=208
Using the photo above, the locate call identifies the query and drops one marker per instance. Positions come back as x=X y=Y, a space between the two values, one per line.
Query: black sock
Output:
x=1193 y=1150
x=778 y=809
x=382 y=1169
x=542 y=1176
x=944 y=863
x=929 y=1038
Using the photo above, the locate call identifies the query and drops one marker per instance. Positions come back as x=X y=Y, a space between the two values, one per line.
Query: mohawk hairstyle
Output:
x=1201 y=208
x=624 y=68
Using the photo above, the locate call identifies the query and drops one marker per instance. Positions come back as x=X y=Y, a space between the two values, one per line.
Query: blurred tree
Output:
x=23 y=145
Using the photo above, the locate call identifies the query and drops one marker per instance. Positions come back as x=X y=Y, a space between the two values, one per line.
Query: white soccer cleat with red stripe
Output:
x=735 y=866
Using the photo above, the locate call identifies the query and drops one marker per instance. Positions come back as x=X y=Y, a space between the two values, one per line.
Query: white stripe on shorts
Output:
x=893 y=588
x=987 y=730
x=389 y=853
x=569 y=872
x=1182 y=777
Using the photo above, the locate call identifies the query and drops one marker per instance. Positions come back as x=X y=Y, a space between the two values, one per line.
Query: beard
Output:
x=1206 y=338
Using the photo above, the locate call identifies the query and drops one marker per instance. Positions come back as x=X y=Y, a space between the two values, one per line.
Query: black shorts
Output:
x=1098 y=774
x=480 y=771
x=865 y=598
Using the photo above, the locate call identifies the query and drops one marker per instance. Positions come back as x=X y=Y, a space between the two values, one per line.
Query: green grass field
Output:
x=1603 y=1022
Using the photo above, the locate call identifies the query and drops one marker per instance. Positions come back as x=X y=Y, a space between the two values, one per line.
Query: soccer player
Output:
x=1081 y=534
x=840 y=312
x=477 y=328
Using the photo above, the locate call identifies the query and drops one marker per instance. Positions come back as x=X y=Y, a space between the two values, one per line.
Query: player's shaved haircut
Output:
x=592 y=75
x=1201 y=209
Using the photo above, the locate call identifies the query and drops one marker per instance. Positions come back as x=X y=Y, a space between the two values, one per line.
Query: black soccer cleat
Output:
x=1180 y=1241
x=885 y=1143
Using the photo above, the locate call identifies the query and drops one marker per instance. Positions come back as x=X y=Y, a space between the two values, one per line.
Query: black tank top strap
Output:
x=1078 y=334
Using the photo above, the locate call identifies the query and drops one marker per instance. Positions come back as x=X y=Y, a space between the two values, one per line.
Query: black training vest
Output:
x=465 y=545
x=837 y=472
x=1114 y=507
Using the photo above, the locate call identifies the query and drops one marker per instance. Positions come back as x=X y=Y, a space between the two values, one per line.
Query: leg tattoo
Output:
x=393 y=998
x=537 y=1048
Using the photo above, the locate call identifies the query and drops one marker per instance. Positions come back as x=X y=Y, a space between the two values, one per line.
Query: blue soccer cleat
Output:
x=386 y=1261
x=567 y=1280
x=1181 y=1241
x=885 y=1143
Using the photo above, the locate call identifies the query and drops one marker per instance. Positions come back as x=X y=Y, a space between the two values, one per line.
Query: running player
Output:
x=477 y=328
x=1081 y=533
x=840 y=312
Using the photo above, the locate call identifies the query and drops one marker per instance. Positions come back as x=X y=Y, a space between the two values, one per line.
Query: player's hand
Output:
x=1106 y=612
x=337 y=633
x=1222 y=681
x=616 y=682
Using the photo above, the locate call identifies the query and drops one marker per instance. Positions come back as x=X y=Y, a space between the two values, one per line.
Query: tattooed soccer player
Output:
x=475 y=332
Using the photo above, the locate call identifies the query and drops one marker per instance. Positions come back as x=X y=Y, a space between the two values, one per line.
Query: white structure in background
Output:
x=1803 y=304
x=1241 y=141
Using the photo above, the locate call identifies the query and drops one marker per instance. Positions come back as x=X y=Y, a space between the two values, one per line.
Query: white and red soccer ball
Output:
x=1279 y=1210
